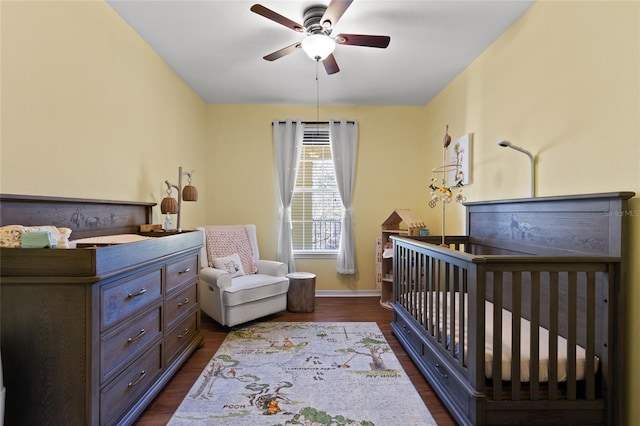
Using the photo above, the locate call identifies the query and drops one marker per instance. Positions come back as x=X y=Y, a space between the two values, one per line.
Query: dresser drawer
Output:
x=181 y=335
x=181 y=271
x=181 y=302
x=120 y=346
x=125 y=297
x=126 y=388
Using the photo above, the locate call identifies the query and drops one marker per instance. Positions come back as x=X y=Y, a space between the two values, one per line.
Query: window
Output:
x=316 y=208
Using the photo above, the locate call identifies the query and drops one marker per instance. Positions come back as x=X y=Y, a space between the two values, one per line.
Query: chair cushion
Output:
x=248 y=288
x=225 y=240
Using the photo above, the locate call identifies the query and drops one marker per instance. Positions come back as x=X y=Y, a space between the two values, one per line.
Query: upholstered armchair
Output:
x=237 y=286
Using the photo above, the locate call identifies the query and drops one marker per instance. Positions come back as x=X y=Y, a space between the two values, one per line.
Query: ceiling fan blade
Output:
x=330 y=64
x=363 y=40
x=334 y=11
x=282 y=52
x=276 y=17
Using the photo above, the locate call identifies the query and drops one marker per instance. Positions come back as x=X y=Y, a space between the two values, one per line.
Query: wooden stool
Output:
x=301 y=296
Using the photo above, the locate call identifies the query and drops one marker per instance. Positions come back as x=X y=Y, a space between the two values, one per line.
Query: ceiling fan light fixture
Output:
x=318 y=46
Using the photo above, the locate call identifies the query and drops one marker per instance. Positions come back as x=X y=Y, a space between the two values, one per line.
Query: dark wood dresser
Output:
x=89 y=336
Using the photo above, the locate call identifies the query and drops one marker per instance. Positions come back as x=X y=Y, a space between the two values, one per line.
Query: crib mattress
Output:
x=525 y=350
x=525 y=347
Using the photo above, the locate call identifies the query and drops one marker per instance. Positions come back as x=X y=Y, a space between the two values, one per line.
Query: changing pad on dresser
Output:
x=108 y=240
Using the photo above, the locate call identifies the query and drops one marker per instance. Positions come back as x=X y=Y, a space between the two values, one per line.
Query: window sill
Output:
x=315 y=254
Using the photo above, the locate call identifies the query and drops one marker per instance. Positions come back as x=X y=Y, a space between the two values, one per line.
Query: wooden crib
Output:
x=520 y=321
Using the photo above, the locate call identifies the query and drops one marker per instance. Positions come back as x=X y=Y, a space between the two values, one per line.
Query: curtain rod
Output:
x=314 y=122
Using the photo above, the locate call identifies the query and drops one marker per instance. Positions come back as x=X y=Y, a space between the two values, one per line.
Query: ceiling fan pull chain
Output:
x=317 y=92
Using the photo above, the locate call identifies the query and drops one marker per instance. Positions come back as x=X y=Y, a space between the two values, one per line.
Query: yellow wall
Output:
x=391 y=173
x=89 y=110
x=563 y=82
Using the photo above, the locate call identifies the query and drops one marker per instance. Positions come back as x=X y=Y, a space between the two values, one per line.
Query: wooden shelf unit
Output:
x=399 y=222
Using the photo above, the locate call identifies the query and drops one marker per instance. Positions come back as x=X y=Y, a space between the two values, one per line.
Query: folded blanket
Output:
x=226 y=240
x=36 y=239
x=10 y=235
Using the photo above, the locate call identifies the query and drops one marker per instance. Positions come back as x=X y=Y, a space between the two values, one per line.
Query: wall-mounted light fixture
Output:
x=170 y=205
x=532 y=158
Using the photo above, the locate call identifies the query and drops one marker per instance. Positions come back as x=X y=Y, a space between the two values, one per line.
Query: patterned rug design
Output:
x=304 y=373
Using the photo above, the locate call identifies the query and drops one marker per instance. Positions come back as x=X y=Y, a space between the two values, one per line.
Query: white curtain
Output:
x=287 y=140
x=344 y=148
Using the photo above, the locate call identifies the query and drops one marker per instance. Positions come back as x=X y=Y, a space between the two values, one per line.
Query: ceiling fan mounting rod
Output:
x=312 y=16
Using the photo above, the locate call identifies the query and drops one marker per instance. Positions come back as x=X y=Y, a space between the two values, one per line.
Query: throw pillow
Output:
x=231 y=264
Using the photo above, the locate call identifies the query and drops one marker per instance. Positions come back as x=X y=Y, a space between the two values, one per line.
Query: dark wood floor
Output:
x=366 y=309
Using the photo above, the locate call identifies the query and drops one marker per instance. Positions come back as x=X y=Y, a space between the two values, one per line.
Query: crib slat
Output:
x=432 y=283
x=412 y=279
x=416 y=285
x=400 y=272
x=461 y=320
x=423 y=289
x=444 y=291
x=415 y=288
x=436 y=299
x=534 y=365
x=406 y=268
x=553 y=336
x=571 y=335
x=590 y=385
x=516 y=311
x=497 y=336
x=452 y=299
x=406 y=275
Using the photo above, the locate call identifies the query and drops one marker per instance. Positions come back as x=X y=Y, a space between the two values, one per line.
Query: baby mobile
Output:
x=441 y=189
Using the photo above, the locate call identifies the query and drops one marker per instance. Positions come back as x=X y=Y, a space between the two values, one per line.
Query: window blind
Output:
x=316 y=208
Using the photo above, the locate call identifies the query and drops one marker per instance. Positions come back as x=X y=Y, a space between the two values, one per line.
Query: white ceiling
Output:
x=217 y=46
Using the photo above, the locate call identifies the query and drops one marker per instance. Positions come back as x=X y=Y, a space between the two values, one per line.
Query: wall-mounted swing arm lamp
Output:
x=532 y=158
x=170 y=205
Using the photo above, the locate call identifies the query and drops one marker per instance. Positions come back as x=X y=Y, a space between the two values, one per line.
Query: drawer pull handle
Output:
x=139 y=293
x=442 y=371
x=142 y=374
x=184 y=302
x=131 y=339
x=184 y=271
x=184 y=333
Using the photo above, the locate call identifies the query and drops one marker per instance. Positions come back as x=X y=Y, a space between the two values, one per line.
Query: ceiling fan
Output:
x=318 y=24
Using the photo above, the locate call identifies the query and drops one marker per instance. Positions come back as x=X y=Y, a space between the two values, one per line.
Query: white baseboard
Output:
x=347 y=293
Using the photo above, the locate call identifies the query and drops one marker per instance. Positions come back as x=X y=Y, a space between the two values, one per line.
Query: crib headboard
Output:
x=85 y=217
x=564 y=225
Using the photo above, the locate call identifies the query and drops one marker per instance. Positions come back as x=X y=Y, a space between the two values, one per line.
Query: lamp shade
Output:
x=169 y=205
x=190 y=193
x=318 y=46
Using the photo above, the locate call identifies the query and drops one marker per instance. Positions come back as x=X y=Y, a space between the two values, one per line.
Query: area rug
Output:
x=304 y=373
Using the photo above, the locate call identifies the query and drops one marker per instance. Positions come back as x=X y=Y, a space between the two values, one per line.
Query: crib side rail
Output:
x=452 y=294
x=427 y=275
